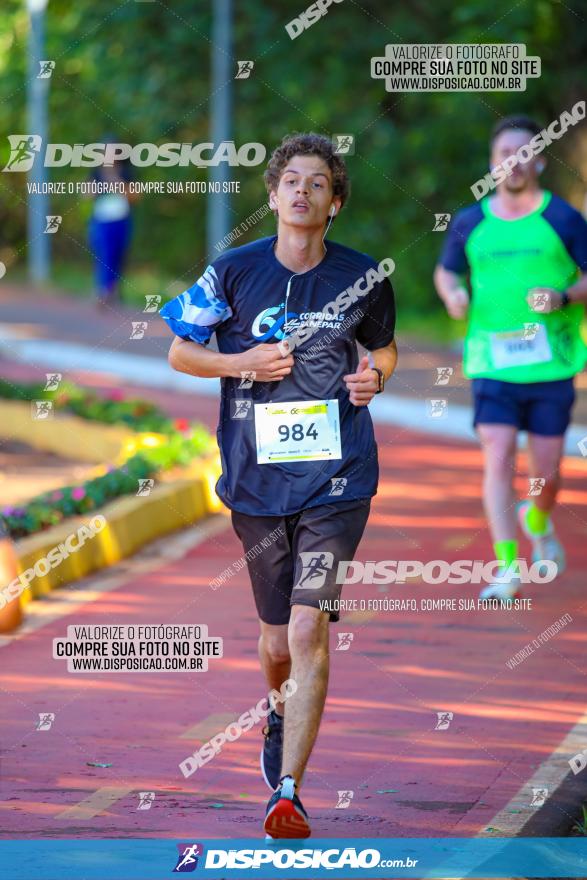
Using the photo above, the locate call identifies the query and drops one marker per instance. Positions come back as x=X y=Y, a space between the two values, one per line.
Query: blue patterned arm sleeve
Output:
x=198 y=311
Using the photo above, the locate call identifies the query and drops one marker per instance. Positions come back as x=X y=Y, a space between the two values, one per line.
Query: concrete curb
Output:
x=131 y=522
x=67 y=435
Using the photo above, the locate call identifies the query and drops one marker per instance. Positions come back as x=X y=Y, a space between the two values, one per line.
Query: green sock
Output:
x=537 y=520
x=506 y=551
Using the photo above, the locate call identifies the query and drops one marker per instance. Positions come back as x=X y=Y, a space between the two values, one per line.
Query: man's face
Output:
x=524 y=174
x=304 y=194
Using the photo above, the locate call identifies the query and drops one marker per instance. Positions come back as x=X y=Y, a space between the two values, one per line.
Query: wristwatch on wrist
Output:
x=380 y=379
x=565 y=299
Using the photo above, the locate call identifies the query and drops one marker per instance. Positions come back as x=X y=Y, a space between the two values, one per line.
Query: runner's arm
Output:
x=385 y=359
x=451 y=290
x=571 y=227
x=194 y=315
x=364 y=383
x=576 y=293
x=197 y=360
x=264 y=361
x=453 y=264
x=376 y=334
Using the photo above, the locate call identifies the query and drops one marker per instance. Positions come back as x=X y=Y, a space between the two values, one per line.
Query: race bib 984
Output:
x=300 y=430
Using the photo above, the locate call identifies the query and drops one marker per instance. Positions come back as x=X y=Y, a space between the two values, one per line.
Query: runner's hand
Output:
x=362 y=385
x=457 y=303
x=544 y=299
x=265 y=362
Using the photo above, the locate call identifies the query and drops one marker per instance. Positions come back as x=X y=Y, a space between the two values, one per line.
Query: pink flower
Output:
x=56 y=496
x=116 y=394
x=78 y=493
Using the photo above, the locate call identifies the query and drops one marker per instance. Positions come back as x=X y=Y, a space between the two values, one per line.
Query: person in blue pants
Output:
x=110 y=231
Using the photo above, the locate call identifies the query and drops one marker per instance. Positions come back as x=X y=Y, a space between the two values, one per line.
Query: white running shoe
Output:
x=509 y=589
x=545 y=546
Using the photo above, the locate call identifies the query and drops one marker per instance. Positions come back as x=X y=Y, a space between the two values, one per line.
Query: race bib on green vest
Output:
x=520 y=348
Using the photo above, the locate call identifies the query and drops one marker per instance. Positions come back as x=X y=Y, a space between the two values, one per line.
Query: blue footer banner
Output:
x=153 y=859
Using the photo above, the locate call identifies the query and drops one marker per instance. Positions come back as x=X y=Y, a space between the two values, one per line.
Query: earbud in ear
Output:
x=332 y=211
x=540 y=166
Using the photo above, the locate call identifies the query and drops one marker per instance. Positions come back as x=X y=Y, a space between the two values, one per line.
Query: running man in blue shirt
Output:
x=299 y=458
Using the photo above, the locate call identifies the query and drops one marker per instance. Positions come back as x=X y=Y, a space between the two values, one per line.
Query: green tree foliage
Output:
x=141 y=71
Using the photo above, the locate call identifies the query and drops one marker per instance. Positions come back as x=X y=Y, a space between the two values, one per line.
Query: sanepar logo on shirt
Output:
x=270 y=323
x=348 y=297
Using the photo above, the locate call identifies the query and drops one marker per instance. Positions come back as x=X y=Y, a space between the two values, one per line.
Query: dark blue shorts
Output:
x=538 y=407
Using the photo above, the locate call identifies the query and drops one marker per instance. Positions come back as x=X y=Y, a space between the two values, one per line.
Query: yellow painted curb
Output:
x=131 y=522
x=68 y=435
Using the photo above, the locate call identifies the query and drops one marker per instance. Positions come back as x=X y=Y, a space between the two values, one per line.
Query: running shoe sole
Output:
x=285 y=821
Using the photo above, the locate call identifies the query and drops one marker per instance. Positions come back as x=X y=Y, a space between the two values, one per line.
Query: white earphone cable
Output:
x=285 y=321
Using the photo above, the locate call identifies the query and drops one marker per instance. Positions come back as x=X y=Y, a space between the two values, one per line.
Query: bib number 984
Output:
x=301 y=430
x=296 y=432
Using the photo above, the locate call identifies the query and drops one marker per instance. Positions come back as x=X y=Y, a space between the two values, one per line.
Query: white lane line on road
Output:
x=550 y=775
x=510 y=821
x=153 y=372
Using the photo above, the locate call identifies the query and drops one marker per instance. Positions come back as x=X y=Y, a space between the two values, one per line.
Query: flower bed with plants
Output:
x=159 y=444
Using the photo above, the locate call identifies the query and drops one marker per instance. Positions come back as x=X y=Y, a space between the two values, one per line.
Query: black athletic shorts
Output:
x=293 y=559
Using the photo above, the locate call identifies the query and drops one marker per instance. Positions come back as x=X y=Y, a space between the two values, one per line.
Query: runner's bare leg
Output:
x=274 y=656
x=499 y=499
x=544 y=457
x=308 y=644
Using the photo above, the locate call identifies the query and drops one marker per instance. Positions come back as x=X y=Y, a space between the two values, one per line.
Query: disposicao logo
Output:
x=24 y=149
x=187 y=861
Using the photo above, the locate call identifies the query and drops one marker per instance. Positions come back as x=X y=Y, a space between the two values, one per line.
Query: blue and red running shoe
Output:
x=285 y=816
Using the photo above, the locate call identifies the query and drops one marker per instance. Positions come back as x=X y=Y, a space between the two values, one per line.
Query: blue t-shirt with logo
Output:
x=242 y=298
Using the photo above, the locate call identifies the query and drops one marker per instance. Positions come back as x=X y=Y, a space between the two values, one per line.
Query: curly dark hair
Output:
x=308 y=145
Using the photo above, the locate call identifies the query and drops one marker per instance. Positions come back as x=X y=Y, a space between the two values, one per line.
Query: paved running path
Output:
x=378 y=737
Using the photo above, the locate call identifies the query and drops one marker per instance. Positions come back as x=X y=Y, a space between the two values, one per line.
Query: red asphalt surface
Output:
x=378 y=736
